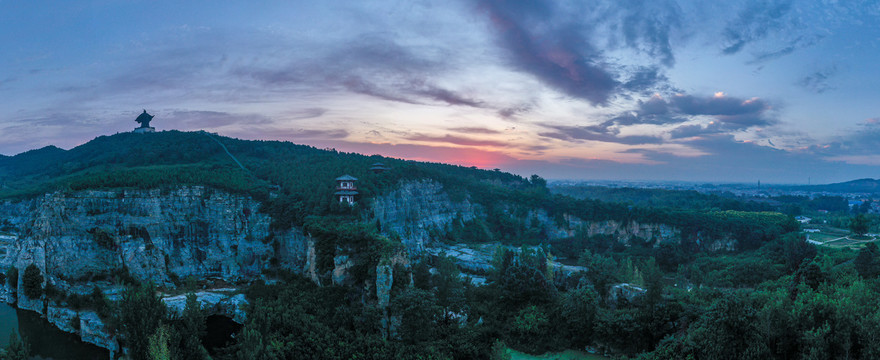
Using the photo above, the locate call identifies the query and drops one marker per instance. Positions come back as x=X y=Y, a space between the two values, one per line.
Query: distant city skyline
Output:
x=778 y=91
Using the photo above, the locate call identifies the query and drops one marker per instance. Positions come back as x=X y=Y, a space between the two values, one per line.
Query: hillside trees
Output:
x=859 y=224
x=140 y=313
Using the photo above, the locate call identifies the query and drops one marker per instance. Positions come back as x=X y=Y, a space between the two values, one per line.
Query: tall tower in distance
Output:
x=144 y=119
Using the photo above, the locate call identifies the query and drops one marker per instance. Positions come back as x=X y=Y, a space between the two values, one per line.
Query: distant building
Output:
x=811 y=230
x=144 y=119
x=346 y=190
x=802 y=219
x=379 y=168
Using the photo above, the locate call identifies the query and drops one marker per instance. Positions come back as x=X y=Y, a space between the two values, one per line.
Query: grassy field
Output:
x=850 y=243
x=565 y=355
x=836 y=237
x=823 y=237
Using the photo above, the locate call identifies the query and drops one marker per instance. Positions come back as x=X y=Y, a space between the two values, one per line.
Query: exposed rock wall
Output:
x=77 y=238
x=627 y=230
x=414 y=208
x=154 y=235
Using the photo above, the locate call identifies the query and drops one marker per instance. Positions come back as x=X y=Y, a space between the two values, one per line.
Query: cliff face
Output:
x=153 y=235
x=418 y=206
x=79 y=238
x=414 y=208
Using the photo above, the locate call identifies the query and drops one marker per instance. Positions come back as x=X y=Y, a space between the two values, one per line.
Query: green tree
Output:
x=579 y=308
x=159 y=348
x=859 y=224
x=530 y=328
x=190 y=330
x=250 y=345
x=450 y=288
x=17 y=349
x=795 y=249
x=140 y=313
x=728 y=330
x=866 y=263
x=32 y=282
x=418 y=313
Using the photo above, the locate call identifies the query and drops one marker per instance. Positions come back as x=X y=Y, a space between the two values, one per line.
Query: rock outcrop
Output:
x=416 y=207
x=77 y=239
x=223 y=302
x=153 y=235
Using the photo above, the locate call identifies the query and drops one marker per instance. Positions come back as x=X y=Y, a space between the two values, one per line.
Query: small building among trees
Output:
x=346 y=190
x=379 y=168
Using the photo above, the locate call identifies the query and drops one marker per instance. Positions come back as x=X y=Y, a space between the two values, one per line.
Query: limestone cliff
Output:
x=78 y=239
x=416 y=207
x=151 y=234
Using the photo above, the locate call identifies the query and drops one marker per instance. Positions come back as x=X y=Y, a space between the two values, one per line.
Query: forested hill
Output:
x=174 y=157
x=303 y=177
x=855 y=186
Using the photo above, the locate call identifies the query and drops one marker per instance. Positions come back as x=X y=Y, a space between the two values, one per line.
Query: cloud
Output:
x=198 y=119
x=446 y=96
x=60 y=129
x=654 y=106
x=371 y=65
x=451 y=155
x=817 y=82
x=458 y=140
x=511 y=113
x=686 y=131
x=645 y=78
x=361 y=86
x=729 y=113
x=724 y=159
x=603 y=133
x=557 y=54
x=719 y=104
x=475 y=130
x=648 y=26
x=321 y=134
x=298 y=136
x=753 y=23
x=862 y=141
x=725 y=114
x=308 y=113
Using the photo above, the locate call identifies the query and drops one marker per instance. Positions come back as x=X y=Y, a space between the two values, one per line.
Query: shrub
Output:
x=32 y=282
x=103 y=238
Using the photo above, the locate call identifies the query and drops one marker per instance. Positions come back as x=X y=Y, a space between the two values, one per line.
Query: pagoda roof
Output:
x=346 y=177
x=346 y=192
x=144 y=117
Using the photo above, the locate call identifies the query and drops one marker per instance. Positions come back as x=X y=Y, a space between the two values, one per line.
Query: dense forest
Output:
x=774 y=296
x=692 y=199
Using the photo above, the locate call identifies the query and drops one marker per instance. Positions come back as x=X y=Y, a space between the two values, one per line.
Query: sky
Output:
x=720 y=91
